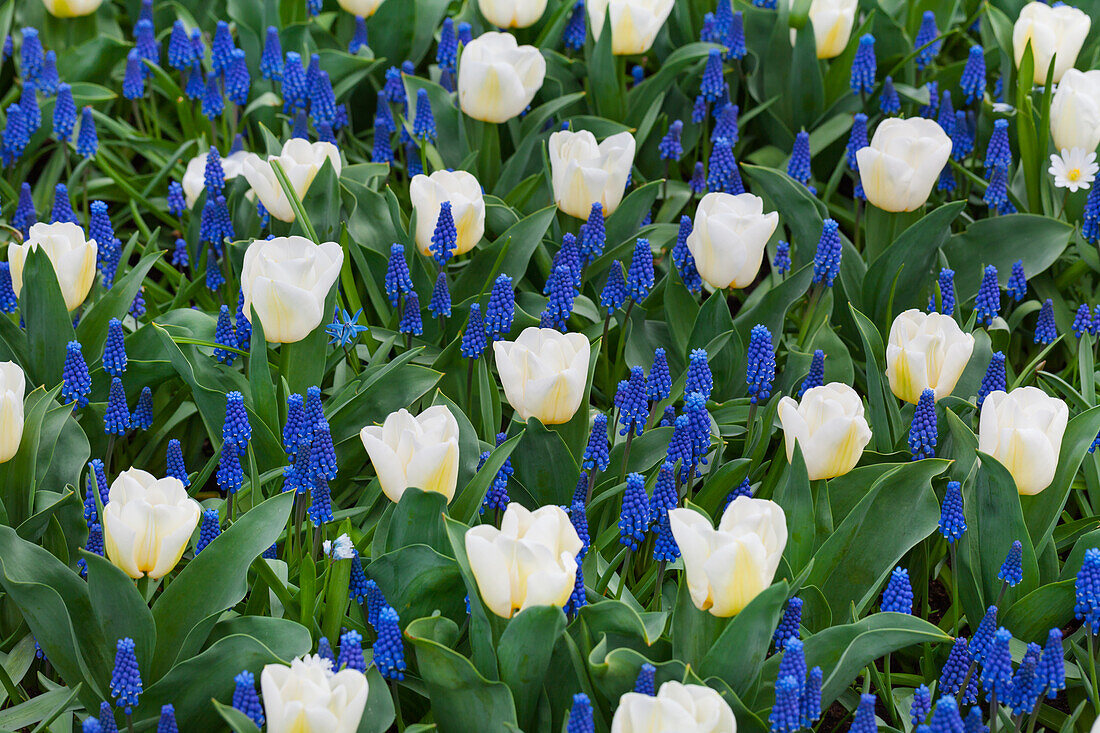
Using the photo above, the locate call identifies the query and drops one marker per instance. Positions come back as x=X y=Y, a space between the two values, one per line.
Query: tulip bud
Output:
x=72 y=256
x=902 y=162
x=194 y=177
x=544 y=373
x=301 y=160
x=727 y=567
x=71 y=8
x=147 y=523
x=498 y=78
x=675 y=707
x=828 y=424
x=1052 y=31
x=1023 y=430
x=926 y=351
x=512 y=13
x=728 y=238
x=530 y=561
x=360 y=8
x=1075 y=111
x=419 y=451
x=634 y=23
x=286 y=279
x=584 y=173
x=467 y=208
x=308 y=697
x=12 y=389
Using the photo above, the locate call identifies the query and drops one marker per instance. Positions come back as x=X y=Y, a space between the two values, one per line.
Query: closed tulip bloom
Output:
x=727 y=567
x=71 y=8
x=12 y=389
x=926 y=351
x=903 y=161
x=634 y=23
x=832 y=23
x=498 y=78
x=307 y=697
x=675 y=707
x=530 y=561
x=1053 y=31
x=467 y=208
x=544 y=373
x=512 y=13
x=147 y=523
x=73 y=258
x=728 y=238
x=1023 y=430
x=286 y=279
x=828 y=424
x=301 y=160
x=584 y=172
x=361 y=8
x=1075 y=111
x=194 y=178
x=420 y=451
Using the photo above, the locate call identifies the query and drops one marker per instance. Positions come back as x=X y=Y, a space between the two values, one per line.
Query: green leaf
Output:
x=603 y=74
x=738 y=655
x=418 y=519
x=524 y=655
x=1047 y=607
x=885 y=417
x=237 y=721
x=379 y=713
x=92 y=329
x=120 y=608
x=797 y=502
x=544 y=465
x=48 y=323
x=438 y=585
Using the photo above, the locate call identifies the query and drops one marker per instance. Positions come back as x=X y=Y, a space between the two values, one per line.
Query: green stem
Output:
x=954 y=588
x=397 y=705
x=1092 y=673
x=295 y=202
x=625 y=574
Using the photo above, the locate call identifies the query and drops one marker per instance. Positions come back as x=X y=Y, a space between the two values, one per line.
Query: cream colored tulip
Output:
x=467 y=208
x=832 y=23
x=307 y=697
x=1075 y=111
x=362 y=8
x=544 y=373
x=512 y=13
x=301 y=160
x=902 y=162
x=194 y=177
x=286 y=279
x=530 y=561
x=72 y=257
x=71 y=8
x=675 y=707
x=498 y=78
x=584 y=173
x=1056 y=34
x=1023 y=430
x=634 y=23
x=727 y=567
x=828 y=424
x=728 y=238
x=12 y=389
x=926 y=351
x=420 y=451
x=147 y=523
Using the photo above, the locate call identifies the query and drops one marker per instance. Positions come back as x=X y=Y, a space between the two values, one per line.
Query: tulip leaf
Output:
x=544 y=465
x=418 y=519
x=524 y=656
x=120 y=608
x=379 y=713
x=693 y=632
x=797 y=501
x=469 y=498
x=237 y=721
x=48 y=323
x=438 y=586
x=481 y=622
x=509 y=255
x=738 y=654
x=1047 y=607
x=714 y=320
x=92 y=329
x=603 y=74
x=801 y=213
x=18 y=475
x=885 y=416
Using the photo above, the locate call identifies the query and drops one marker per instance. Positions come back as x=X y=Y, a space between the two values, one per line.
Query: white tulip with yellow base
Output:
x=926 y=351
x=301 y=160
x=467 y=208
x=1023 y=430
x=498 y=78
x=544 y=373
x=727 y=567
x=512 y=13
x=1075 y=111
x=1056 y=35
x=420 y=451
x=634 y=23
x=903 y=162
x=308 y=697
x=147 y=523
x=286 y=279
x=71 y=8
x=830 y=427
x=728 y=238
x=194 y=176
x=583 y=172
x=530 y=561
x=362 y=8
x=72 y=256
x=676 y=707
x=13 y=387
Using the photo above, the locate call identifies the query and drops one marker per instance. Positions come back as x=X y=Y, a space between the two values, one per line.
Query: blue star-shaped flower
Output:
x=343 y=331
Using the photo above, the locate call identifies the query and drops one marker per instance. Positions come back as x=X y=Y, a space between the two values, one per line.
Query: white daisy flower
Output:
x=1073 y=169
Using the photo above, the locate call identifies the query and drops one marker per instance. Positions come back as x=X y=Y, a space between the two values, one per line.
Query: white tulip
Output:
x=828 y=424
x=498 y=78
x=634 y=23
x=147 y=523
x=584 y=173
x=1023 y=430
x=467 y=208
x=675 y=707
x=728 y=238
x=12 y=388
x=926 y=351
x=1075 y=111
x=71 y=8
x=544 y=373
x=530 y=561
x=419 y=451
x=307 y=697
x=301 y=160
x=286 y=279
x=362 y=8
x=512 y=13
x=1053 y=31
x=832 y=23
x=902 y=162
x=72 y=257
x=727 y=567
x=194 y=177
